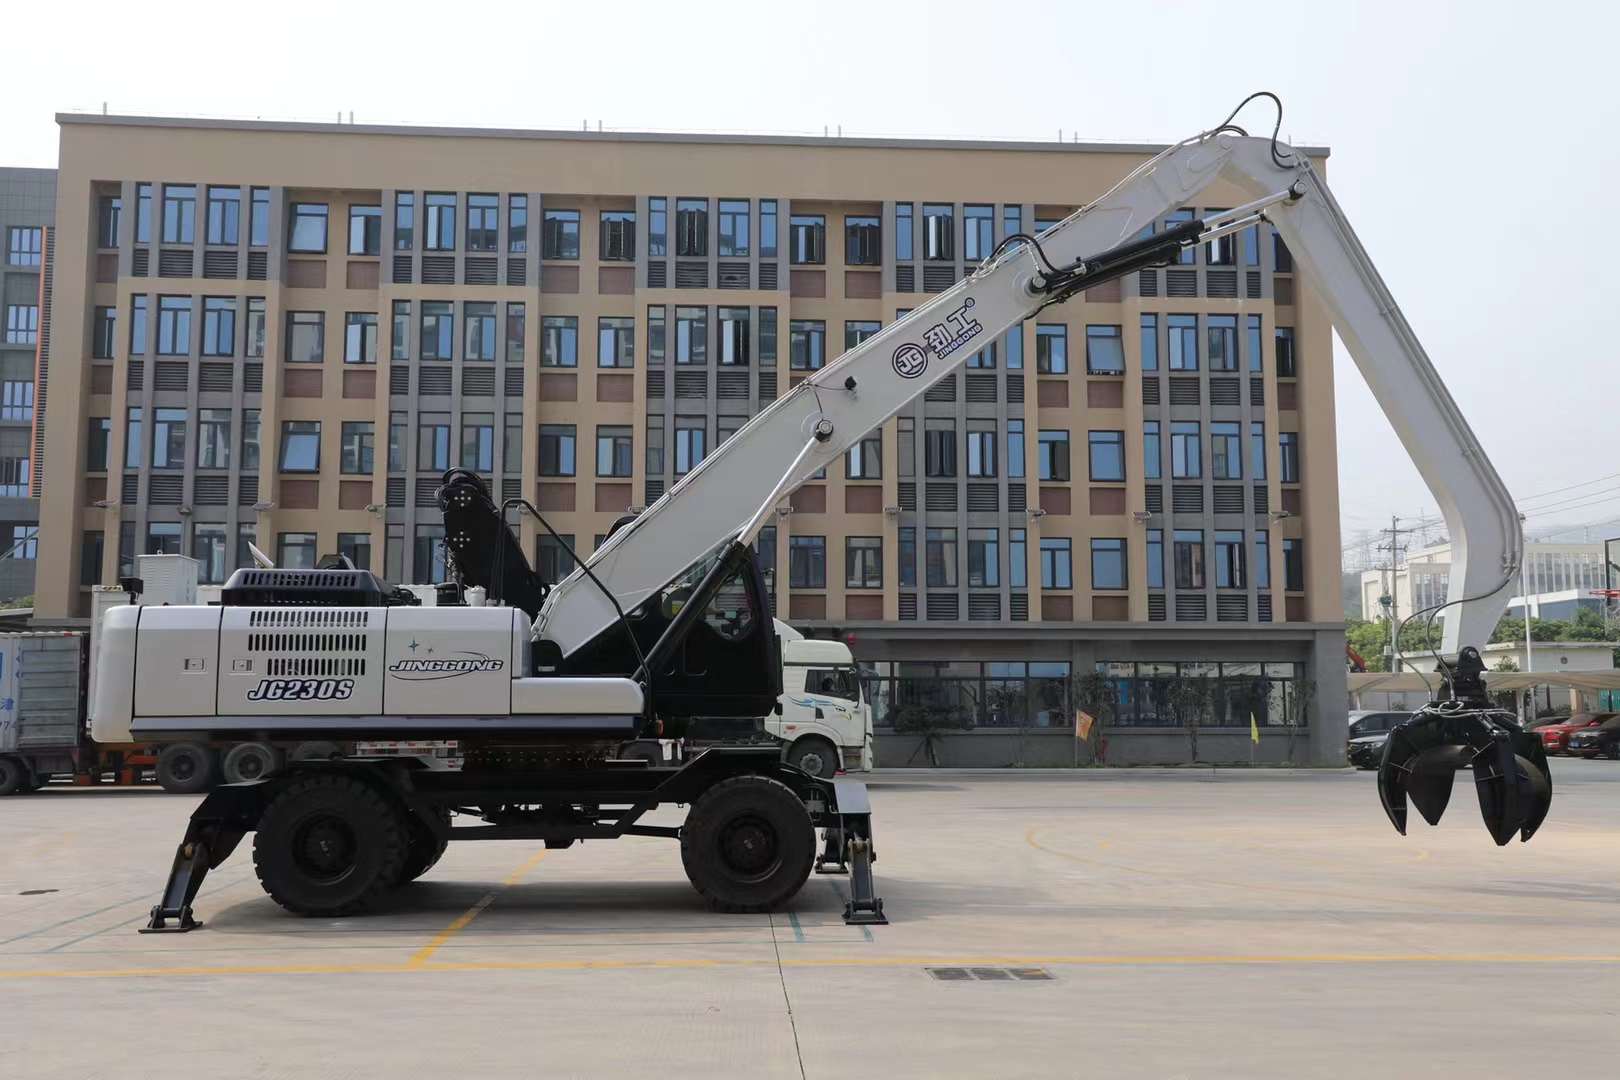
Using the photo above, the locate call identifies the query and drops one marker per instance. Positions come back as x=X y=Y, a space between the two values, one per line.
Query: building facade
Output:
x=27 y=201
x=284 y=333
x=1561 y=579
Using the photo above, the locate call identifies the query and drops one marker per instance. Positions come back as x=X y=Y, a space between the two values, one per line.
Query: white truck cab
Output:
x=824 y=722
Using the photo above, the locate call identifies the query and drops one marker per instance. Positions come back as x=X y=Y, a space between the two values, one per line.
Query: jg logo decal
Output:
x=943 y=339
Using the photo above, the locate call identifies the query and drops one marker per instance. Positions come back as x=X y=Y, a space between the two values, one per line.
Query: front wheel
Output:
x=186 y=768
x=748 y=844
x=814 y=755
x=1612 y=751
x=329 y=845
x=13 y=776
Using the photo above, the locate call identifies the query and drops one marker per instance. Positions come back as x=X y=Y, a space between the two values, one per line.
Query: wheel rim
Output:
x=184 y=766
x=749 y=847
x=812 y=762
x=324 y=848
x=251 y=766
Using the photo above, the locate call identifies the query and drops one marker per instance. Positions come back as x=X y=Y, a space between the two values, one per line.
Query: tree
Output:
x=1096 y=694
x=1190 y=697
x=929 y=722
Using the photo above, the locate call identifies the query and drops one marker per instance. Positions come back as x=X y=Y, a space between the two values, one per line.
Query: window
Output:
x=254 y=341
x=224 y=228
x=1155 y=558
x=1183 y=342
x=219 y=326
x=404 y=220
x=16 y=400
x=1108 y=563
x=981 y=451
x=357 y=546
x=300 y=446
x=132 y=437
x=398 y=436
x=481 y=341
x=1221 y=331
x=559 y=341
x=1152 y=450
x=103 y=333
x=767 y=228
x=613 y=449
x=692 y=227
x=1282 y=257
x=174 y=325
x=1057 y=563
x=1228 y=559
x=807 y=562
x=1053 y=449
x=1107 y=455
x=767 y=337
x=1187 y=256
x=615 y=342
x=864 y=460
x=358 y=447
x=863 y=240
x=208 y=548
x=939 y=558
x=214 y=439
x=168 y=438
x=109 y=217
x=691 y=335
x=1256 y=356
x=1051 y=350
x=733 y=228
x=983 y=558
x=657 y=226
x=1293 y=564
x=517 y=224
x=655 y=445
x=556 y=449
x=179 y=213
x=1150 y=343
x=1226 y=450
x=858 y=330
x=1219 y=251
x=478 y=442
x=306 y=337
x=250 y=440
x=1018 y=558
x=163 y=538
x=939 y=448
x=1285 y=352
x=308 y=232
x=978 y=232
x=143 y=215
x=1262 y=559
x=1186 y=458
x=559 y=234
x=1288 y=463
x=1015 y=449
x=733 y=324
x=512 y=444
x=99 y=437
x=1105 y=352
x=1251 y=246
x=137 y=326
x=429 y=554
x=554 y=561
x=365 y=230
x=863 y=562
x=902 y=232
x=259 y=218
x=908 y=557
x=655 y=336
x=618 y=236
x=807 y=239
x=92 y=549
x=807 y=344
x=22 y=324
x=1189 y=557
x=689 y=444
x=1257 y=449
x=484 y=223
x=433 y=442
x=727 y=426
x=296 y=550
x=1012 y=220
x=939 y=232
x=985 y=358
x=517 y=329
x=440 y=218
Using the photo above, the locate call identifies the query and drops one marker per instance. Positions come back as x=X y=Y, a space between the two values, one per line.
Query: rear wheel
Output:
x=329 y=845
x=1612 y=751
x=13 y=776
x=814 y=755
x=250 y=761
x=425 y=849
x=748 y=844
x=186 y=768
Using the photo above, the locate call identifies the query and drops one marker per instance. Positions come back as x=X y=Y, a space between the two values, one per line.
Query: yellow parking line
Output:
x=465 y=919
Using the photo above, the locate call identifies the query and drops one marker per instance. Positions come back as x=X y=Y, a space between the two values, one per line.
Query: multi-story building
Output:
x=27 y=201
x=1561 y=579
x=284 y=333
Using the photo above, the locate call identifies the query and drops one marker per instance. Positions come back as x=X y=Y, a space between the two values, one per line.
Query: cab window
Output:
x=836 y=682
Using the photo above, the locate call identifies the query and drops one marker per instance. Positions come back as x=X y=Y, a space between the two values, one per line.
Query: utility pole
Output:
x=1396 y=549
x=1524 y=591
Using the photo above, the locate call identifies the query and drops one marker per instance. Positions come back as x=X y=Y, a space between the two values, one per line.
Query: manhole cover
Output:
x=989 y=974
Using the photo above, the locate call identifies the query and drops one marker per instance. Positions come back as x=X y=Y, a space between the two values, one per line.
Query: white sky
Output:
x=1474 y=144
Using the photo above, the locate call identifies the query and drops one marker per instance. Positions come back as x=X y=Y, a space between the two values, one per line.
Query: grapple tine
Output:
x=1392 y=774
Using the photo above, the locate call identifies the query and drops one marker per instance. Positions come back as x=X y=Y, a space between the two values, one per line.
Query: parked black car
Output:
x=1368 y=731
x=1602 y=740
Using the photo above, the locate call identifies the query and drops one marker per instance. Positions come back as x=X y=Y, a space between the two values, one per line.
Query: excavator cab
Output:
x=1423 y=755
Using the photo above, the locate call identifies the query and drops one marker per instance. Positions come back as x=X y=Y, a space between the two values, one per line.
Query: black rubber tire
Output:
x=316 y=750
x=356 y=831
x=13 y=776
x=1612 y=751
x=814 y=755
x=423 y=850
x=187 y=768
x=748 y=844
x=250 y=761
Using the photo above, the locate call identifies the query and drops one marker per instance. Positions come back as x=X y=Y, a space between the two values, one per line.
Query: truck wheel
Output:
x=748 y=844
x=316 y=750
x=424 y=849
x=814 y=755
x=186 y=768
x=13 y=777
x=250 y=761
x=329 y=845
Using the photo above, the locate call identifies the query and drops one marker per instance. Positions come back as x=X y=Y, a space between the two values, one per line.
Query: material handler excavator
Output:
x=557 y=692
